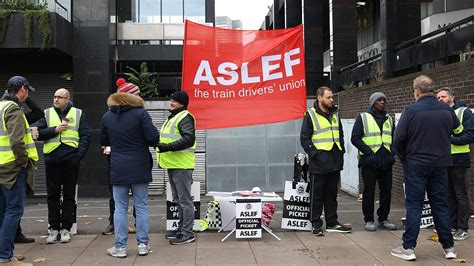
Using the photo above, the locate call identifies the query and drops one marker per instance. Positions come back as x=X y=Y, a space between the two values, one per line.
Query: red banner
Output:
x=243 y=77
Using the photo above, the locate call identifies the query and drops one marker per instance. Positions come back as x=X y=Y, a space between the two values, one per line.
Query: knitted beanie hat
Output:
x=375 y=96
x=181 y=97
x=127 y=87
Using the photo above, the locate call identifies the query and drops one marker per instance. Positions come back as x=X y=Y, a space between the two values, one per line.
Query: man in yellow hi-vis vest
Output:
x=372 y=135
x=66 y=136
x=458 y=198
x=18 y=158
x=323 y=140
x=175 y=152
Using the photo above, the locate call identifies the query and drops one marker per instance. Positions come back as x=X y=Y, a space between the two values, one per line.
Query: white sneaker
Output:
x=143 y=249
x=450 y=253
x=52 y=237
x=117 y=252
x=65 y=236
x=406 y=254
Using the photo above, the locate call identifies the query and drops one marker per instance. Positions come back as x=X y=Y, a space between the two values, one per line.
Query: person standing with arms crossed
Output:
x=458 y=199
x=372 y=135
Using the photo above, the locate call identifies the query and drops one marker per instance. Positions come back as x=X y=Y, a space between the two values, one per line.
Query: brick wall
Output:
x=399 y=91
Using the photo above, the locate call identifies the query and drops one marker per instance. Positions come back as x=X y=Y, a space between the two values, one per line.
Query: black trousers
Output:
x=62 y=177
x=371 y=176
x=458 y=200
x=323 y=194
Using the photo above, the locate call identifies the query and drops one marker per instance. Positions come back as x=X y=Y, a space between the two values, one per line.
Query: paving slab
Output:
x=295 y=248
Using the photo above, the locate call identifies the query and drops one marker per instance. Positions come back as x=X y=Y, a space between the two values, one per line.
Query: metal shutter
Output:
x=45 y=84
x=160 y=176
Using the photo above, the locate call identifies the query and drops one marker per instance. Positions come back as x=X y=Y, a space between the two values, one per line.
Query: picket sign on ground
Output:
x=426 y=216
x=172 y=216
x=296 y=207
x=248 y=215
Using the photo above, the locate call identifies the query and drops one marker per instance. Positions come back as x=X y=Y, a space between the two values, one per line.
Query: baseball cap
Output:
x=18 y=81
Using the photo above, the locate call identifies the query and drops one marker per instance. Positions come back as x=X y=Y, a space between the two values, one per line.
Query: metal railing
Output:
x=61 y=10
x=445 y=30
x=360 y=63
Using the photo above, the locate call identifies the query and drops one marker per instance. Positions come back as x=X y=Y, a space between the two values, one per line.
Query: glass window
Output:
x=149 y=11
x=124 y=10
x=172 y=11
x=453 y=5
x=195 y=10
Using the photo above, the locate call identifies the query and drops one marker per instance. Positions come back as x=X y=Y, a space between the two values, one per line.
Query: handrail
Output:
x=57 y=3
x=356 y=64
x=63 y=8
x=436 y=32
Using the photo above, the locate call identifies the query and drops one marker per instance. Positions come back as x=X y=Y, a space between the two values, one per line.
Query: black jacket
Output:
x=466 y=137
x=129 y=131
x=382 y=159
x=65 y=152
x=321 y=162
x=187 y=130
x=423 y=134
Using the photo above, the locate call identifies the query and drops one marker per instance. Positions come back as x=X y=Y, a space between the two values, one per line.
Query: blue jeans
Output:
x=433 y=180
x=11 y=210
x=140 y=202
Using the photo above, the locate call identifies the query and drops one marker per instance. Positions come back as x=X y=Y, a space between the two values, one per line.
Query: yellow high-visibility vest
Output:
x=6 y=153
x=70 y=136
x=325 y=133
x=374 y=137
x=169 y=132
x=455 y=149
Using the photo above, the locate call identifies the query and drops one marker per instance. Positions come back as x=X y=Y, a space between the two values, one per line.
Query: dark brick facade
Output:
x=399 y=91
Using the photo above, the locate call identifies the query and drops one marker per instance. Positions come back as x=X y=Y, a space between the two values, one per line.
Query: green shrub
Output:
x=145 y=80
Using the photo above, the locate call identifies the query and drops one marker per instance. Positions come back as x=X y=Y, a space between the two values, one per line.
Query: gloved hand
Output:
x=162 y=147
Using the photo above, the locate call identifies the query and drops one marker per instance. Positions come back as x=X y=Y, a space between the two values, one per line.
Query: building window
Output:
x=195 y=10
x=149 y=11
x=172 y=11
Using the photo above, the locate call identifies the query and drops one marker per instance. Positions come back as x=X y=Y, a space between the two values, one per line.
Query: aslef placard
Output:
x=172 y=215
x=426 y=216
x=248 y=218
x=296 y=207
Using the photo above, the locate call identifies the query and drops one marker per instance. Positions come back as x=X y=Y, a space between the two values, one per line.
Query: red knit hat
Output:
x=127 y=87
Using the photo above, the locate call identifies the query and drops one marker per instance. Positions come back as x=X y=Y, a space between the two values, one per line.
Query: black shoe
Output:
x=22 y=239
x=181 y=240
x=173 y=234
x=338 y=228
x=109 y=230
x=318 y=231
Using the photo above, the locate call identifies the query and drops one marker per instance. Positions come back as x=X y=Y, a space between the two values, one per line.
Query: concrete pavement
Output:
x=295 y=248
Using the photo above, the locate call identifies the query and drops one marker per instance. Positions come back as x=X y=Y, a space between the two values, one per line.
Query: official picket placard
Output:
x=296 y=207
x=172 y=216
x=248 y=218
x=426 y=216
